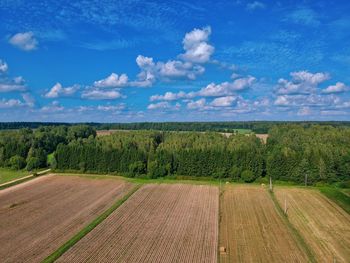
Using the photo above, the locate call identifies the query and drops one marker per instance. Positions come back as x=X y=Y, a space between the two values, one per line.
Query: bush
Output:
x=17 y=162
x=247 y=176
x=235 y=173
x=137 y=168
x=32 y=163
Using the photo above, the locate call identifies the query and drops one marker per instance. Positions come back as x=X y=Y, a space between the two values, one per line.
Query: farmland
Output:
x=324 y=225
x=251 y=229
x=39 y=215
x=159 y=223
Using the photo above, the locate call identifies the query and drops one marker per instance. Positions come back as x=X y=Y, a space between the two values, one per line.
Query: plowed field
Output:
x=159 y=223
x=37 y=217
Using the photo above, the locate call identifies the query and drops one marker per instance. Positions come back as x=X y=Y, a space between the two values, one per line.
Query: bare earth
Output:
x=251 y=229
x=38 y=216
x=324 y=226
x=159 y=223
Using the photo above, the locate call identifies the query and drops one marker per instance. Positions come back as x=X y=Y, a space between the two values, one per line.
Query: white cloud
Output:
x=255 y=5
x=172 y=69
x=226 y=88
x=198 y=104
x=112 y=81
x=224 y=101
x=3 y=66
x=29 y=100
x=12 y=86
x=111 y=107
x=96 y=94
x=11 y=103
x=164 y=105
x=58 y=91
x=304 y=111
x=339 y=87
x=312 y=100
x=170 y=96
x=303 y=82
x=53 y=107
x=25 y=41
x=197 y=50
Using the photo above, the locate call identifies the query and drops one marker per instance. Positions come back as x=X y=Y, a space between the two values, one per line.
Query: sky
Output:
x=136 y=61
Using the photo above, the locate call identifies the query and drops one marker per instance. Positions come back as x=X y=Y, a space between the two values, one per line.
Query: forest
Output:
x=255 y=126
x=293 y=152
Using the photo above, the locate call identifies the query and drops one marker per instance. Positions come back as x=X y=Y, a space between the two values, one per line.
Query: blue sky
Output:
x=130 y=60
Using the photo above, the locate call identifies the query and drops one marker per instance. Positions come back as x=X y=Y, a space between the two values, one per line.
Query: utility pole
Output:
x=305 y=179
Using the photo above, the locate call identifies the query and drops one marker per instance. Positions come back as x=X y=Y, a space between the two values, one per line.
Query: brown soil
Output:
x=159 y=223
x=251 y=230
x=38 y=216
x=324 y=226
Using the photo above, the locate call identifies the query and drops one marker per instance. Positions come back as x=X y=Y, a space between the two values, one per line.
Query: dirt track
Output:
x=324 y=226
x=38 y=216
x=159 y=223
x=251 y=230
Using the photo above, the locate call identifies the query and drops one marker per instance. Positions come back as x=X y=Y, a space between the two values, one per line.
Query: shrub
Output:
x=247 y=176
x=17 y=162
x=137 y=168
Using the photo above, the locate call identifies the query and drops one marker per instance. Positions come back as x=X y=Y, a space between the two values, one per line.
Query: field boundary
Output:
x=23 y=179
x=295 y=233
x=338 y=197
x=88 y=228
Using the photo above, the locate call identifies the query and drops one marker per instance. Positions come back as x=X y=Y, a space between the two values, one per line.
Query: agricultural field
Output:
x=159 y=223
x=7 y=175
x=324 y=226
x=251 y=230
x=38 y=216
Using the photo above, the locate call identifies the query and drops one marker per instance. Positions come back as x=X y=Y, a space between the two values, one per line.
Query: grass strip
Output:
x=16 y=182
x=337 y=197
x=300 y=240
x=71 y=242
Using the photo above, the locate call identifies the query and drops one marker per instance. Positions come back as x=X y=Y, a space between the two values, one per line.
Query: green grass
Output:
x=71 y=242
x=337 y=196
x=297 y=236
x=7 y=175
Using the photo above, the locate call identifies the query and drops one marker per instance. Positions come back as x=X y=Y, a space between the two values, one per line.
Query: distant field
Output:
x=38 y=216
x=251 y=230
x=324 y=226
x=239 y=131
x=159 y=223
x=7 y=175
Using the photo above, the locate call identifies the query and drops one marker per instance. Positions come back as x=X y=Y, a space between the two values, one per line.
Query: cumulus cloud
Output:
x=55 y=106
x=111 y=107
x=227 y=88
x=28 y=99
x=164 y=105
x=339 y=87
x=3 y=66
x=255 y=5
x=302 y=82
x=24 y=41
x=224 y=101
x=170 y=96
x=11 y=103
x=58 y=91
x=198 y=104
x=195 y=44
x=112 y=81
x=172 y=69
x=313 y=100
x=97 y=94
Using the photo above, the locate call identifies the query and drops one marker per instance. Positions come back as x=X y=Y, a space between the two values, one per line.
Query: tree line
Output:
x=294 y=152
x=29 y=149
x=254 y=126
